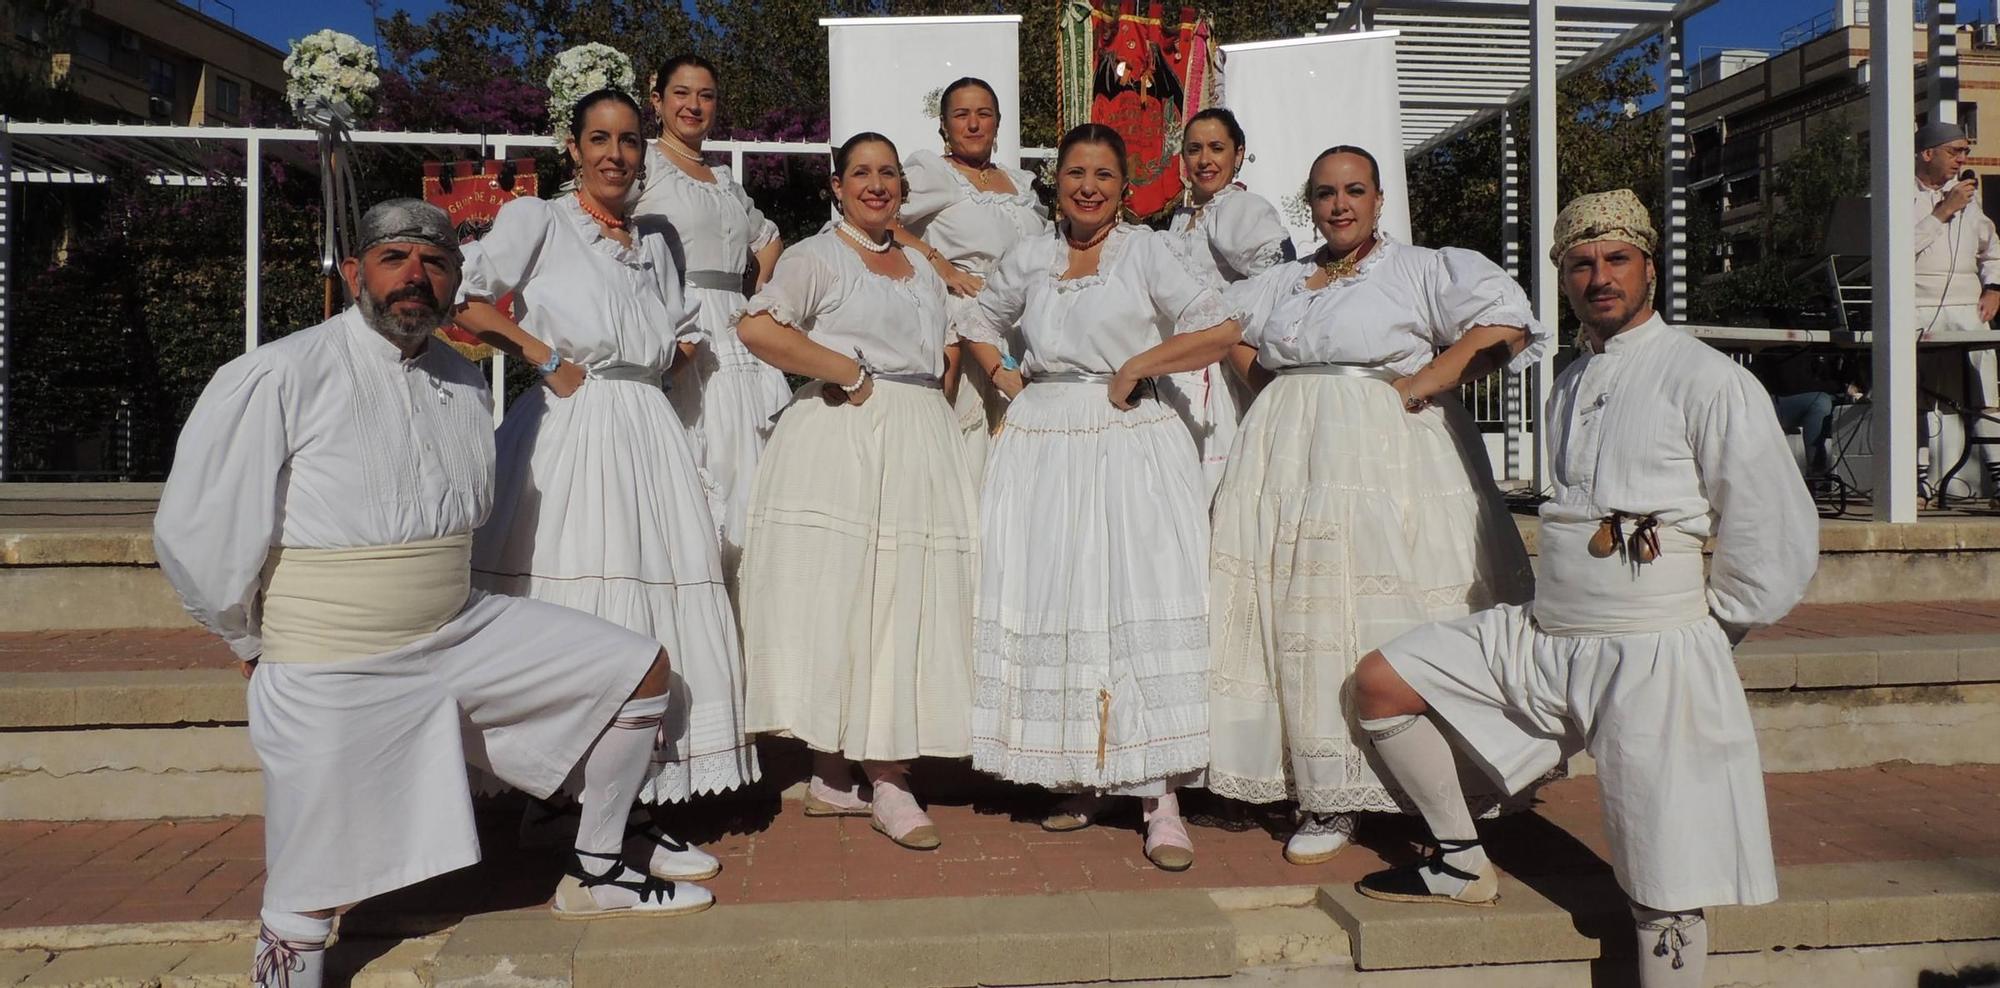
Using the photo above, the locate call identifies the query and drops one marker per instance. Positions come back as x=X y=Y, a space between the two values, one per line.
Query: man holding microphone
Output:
x=1958 y=283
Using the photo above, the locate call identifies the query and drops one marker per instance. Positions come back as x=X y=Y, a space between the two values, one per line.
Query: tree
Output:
x=1601 y=143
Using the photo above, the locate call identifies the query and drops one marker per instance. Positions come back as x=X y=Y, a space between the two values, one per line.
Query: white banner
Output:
x=885 y=74
x=1298 y=97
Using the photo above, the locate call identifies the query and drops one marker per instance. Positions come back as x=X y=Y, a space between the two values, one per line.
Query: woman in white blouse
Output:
x=725 y=396
x=1358 y=502
x=964 y=211
x=1091 y=641
x=599 y=506
x=859 y=567
x=1228 y=233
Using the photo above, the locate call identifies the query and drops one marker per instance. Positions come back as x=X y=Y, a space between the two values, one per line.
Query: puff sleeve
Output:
x=500 y=261
x=1464 y=289
x=932 y=187
x=1247 y=236
x=802 y=286
x=1179 y=294
x=1000 y=303
x=218 y=515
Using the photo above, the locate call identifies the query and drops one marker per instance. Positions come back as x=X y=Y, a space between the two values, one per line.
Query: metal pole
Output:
x=1542 y=173
x=253 y=246
x=1892 y=148
x=1943 y=55
x=1674 y=258
x=1513 y=387
x=497 y=367
x=6 y=285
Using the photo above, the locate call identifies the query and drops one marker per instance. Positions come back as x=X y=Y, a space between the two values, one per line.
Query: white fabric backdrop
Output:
x=1298 y=97
x=884 y=74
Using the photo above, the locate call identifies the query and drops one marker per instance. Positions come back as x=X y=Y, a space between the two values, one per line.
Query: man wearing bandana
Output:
x=1657 y=444
x=319 y=519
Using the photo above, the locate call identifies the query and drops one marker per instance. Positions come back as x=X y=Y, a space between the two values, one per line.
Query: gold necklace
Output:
x=980 y=169
x=1345 y=267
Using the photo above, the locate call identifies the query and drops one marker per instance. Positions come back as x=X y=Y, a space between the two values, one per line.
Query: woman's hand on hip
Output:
x=565 y=380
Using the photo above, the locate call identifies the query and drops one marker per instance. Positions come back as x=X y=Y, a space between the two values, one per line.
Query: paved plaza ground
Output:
x=160 y=870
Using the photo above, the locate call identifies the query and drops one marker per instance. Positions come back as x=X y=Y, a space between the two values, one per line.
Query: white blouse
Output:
x=326 y=439
x=1235 y=236
x=1142 y=293
x=1402 y=306
x=822 y=288
x=715 y=223
x=591 y=298
x=971 y=227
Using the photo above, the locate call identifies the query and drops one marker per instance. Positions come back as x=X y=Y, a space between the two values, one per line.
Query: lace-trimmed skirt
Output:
x=1091 y=642
x=858 y=576
x=1342 y=522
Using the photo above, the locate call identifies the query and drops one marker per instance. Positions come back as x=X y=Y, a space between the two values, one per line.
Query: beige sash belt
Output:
x=1579 y=595
x=324 y=605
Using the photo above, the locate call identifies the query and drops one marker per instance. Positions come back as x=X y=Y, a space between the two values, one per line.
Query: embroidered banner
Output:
x=1143 y=77
x=472 y=198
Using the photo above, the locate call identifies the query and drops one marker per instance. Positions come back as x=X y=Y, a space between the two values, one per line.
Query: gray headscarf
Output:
x=408 y=221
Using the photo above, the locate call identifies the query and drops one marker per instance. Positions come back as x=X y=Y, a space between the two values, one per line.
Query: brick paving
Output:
x=149 y=649
x=156 y=871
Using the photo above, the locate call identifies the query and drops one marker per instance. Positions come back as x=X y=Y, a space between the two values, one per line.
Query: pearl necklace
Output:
x=675 y=145
x=599 y=215
x=1094 y=241
x=872 y=246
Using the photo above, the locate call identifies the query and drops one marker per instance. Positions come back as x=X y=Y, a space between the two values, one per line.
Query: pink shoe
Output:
x=1168 y=845
x=824 y=800
x=897 y=816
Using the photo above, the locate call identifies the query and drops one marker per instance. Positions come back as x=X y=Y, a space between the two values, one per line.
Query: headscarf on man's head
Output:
x=1614 y=215
x=1937 y=133
x=406 y=221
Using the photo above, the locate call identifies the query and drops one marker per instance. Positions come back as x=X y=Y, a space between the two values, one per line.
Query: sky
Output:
x=1728 y=24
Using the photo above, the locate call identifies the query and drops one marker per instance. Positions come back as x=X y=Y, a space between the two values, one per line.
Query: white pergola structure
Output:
x=1461 y=63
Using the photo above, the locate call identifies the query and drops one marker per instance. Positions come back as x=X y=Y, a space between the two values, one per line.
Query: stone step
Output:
x=95 y=744
x=1545 y=933
x=1580 y=918
x=81 y=556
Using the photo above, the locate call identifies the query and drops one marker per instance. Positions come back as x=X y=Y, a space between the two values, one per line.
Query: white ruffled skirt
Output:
x=1091 y=644
x=599 y=507
x=1211 y=401
x=1342 y=522
x=726 y=398
x=857 y=580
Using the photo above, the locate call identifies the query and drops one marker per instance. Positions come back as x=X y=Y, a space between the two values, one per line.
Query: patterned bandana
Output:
x=411 y=221
x=1614 y=215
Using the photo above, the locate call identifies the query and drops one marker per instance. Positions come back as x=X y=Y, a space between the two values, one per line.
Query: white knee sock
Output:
x=1418 y=755
x=613 y=773
x=290 y=951
x=1673 y=947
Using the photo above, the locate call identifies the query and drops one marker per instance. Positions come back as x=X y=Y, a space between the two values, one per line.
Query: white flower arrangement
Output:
x=581 y=71
x=329 y=67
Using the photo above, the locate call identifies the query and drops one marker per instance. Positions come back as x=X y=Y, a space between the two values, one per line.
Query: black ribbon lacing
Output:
x=1673 y=936
x=1436 y=862
x=648 y=889
x=278 y=958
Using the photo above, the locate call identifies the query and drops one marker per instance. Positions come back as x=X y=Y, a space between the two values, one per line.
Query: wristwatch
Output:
x=549 y=366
